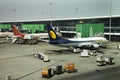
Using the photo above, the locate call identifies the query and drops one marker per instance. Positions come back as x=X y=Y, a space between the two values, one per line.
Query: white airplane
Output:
x=6 y=34
x=91 y=42
x=27 y=38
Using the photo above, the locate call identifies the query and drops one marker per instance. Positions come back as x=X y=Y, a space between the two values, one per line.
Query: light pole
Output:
x=110 y=21
x=77 y=11
x=42 y=15
x=51 y=13
x=14 y=10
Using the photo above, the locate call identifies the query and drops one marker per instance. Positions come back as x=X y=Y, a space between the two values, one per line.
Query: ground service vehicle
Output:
x=103 y=60
x=118 y=47
x=70 y=67
x=58 y=69
x=47 y=72
x=41 y=56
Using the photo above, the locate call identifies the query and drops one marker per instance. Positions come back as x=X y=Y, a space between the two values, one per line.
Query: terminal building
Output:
x=68 y=27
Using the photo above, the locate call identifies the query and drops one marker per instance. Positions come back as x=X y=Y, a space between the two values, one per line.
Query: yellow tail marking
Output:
x=52 y=34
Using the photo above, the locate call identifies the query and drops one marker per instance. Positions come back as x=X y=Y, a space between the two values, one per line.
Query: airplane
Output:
x=6 y=34
x=27 y=38
x=90 y=43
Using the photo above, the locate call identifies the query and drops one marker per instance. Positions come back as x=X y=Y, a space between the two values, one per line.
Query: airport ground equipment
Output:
x=8 y=77
x=100 y=60
x=92 y=53
x=103 y=60
x=42 y=57
x=118 y=47
x=47 y=72
x=108 y=60
x=70 y=67
x=58 y=69
x=84 y=53
x=76 y=50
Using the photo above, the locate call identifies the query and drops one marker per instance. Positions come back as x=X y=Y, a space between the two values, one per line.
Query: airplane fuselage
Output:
x=90 y=42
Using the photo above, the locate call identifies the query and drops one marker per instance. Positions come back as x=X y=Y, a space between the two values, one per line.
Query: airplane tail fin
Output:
x=53 y=37
x=16 y=31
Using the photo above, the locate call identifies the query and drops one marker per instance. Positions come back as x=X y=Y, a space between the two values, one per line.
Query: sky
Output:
x=27 y=10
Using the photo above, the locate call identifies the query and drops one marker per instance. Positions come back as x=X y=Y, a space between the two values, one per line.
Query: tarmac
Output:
x=17 y=60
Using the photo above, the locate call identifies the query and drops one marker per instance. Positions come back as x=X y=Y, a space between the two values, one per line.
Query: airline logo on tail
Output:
x=17 y=32
x=54 y=38
x=52 y=34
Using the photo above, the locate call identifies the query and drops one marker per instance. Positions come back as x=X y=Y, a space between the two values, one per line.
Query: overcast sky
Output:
x=20 y=10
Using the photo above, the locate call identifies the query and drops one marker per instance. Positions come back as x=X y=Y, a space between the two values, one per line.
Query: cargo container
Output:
x=47 y=72
x=70 y=67
x=89 y=30
x=59 y=69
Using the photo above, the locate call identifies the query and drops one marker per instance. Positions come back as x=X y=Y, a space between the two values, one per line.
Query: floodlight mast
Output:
x=51 y=13
x=110 y=21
